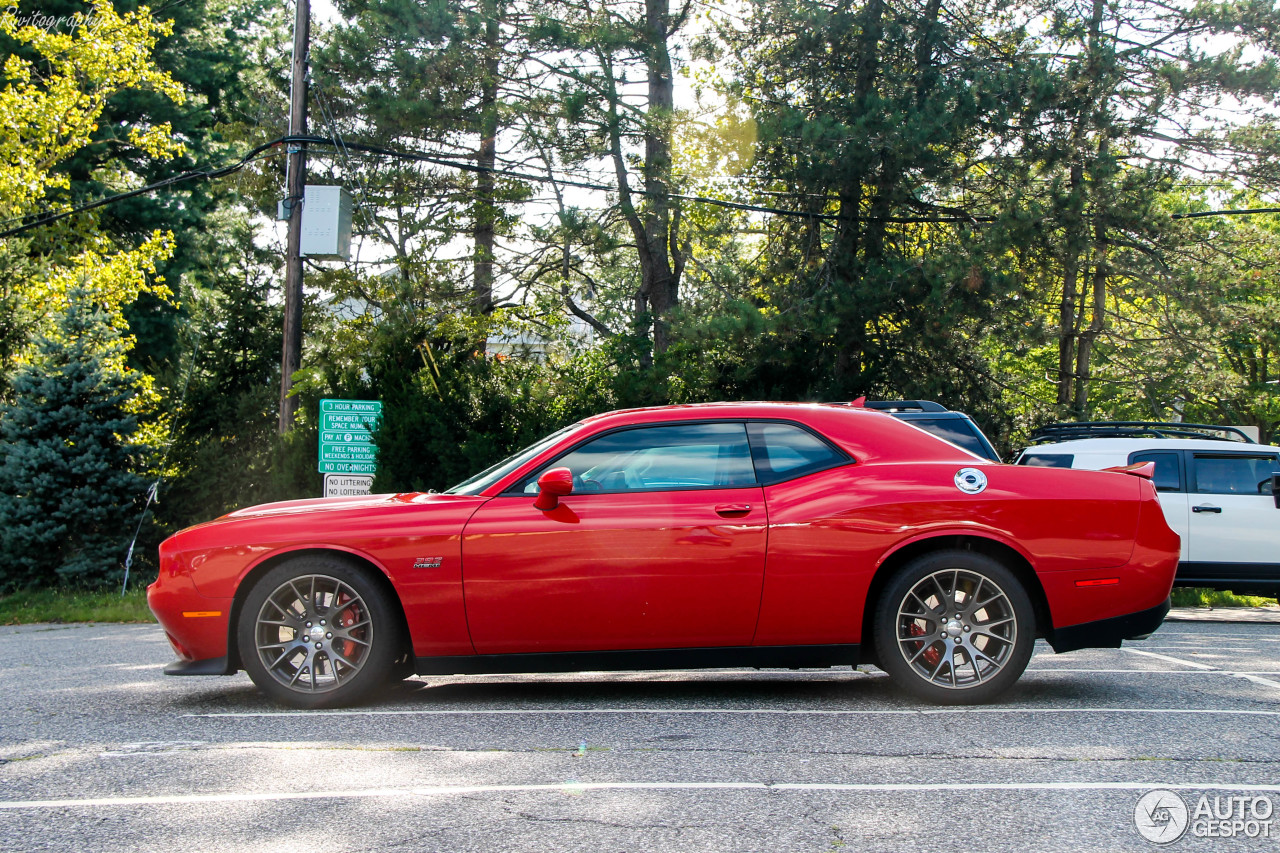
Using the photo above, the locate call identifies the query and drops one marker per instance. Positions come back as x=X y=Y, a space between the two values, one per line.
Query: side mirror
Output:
x=1275 y=488
x=552 y=486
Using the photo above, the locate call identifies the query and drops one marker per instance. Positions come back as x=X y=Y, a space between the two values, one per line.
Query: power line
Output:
x=415 y=156
x=222 y=172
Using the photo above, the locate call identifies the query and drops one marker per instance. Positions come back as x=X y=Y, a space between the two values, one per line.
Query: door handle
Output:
x=733 y=509
x=1207 y=508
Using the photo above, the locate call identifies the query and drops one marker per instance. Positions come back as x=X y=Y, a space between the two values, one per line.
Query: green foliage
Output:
x=30 y=606
x=448 y=411
x=1191 y=596
x=69 y=481
x=223 y=435
x=982 y=198
x=857 y=303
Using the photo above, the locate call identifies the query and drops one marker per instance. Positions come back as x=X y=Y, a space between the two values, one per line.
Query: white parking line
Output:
x=1152 y=671
x=1169 y=659
x=1256 y=679
x=1201 y=647
x=782 y=712
x=582 y=787
x=1236 y=636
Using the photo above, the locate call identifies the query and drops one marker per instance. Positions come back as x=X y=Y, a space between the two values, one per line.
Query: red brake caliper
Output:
x=932 y=655
x=349 y=617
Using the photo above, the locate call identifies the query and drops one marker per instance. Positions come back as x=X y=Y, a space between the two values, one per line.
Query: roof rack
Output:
x=1136 y=429
x=898 y=405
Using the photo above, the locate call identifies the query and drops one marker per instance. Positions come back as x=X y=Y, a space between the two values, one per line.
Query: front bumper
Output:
x=208 y=666
x=1109 y=633
x=195 y=625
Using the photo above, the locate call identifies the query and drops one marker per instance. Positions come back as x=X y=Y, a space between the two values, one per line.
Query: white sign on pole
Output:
x=347 y=485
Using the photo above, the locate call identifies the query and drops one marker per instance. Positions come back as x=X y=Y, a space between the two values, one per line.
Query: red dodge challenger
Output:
x=725 y=534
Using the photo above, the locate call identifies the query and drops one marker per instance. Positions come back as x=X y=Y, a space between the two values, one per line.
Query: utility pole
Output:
x=295 y=187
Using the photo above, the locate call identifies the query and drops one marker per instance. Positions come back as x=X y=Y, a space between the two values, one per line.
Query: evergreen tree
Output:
x=1141 y=96
x=69 y=478
x=873 y=121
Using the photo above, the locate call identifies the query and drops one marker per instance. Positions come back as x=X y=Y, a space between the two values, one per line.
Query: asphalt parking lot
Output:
x=100 y=751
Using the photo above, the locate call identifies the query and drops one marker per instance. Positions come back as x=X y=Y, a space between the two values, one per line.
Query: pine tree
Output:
x=70 y=455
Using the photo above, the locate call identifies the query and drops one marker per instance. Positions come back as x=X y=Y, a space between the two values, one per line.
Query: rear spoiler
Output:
x=1145 y=470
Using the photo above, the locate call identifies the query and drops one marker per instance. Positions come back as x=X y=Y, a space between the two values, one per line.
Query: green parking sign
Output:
x=346 y=436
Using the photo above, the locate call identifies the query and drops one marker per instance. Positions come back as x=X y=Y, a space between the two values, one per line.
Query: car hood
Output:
x=310 y=505
x=307 y=506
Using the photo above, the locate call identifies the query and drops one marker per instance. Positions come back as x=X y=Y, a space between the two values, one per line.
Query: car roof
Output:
x=1130 y=445
x=693 y=411
x=865 y=434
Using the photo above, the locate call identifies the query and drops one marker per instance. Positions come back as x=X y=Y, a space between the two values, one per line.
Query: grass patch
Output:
x=1194 y=596
x=55 y=605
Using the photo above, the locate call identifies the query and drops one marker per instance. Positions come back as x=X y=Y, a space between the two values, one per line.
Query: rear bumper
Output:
x=1109 y=633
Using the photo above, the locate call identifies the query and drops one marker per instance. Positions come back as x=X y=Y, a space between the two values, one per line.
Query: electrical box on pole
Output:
x=326 y=223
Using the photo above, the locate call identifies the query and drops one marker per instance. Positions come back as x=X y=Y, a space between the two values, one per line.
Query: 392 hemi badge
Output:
x=427 y=562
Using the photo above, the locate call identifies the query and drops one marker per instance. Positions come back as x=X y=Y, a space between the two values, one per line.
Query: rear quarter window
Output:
x=955 y=430
x=1047 y=460
x=784 y=451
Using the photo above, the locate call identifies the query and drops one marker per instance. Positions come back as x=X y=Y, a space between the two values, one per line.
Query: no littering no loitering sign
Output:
x=348 y=457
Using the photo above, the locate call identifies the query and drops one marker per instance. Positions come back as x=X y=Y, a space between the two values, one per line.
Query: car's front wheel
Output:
x=316 y=632
x=954 y=627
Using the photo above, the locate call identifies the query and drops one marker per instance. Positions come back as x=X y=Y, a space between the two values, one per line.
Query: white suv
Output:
x=1220 y=492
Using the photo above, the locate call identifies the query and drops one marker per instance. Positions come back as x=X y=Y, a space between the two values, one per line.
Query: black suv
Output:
x=955 y=427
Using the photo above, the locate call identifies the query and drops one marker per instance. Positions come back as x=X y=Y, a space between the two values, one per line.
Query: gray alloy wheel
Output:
x=955 y=627
x=316 y=632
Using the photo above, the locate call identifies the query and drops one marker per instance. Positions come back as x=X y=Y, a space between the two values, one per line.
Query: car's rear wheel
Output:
x=954 y=627
x=316 y=632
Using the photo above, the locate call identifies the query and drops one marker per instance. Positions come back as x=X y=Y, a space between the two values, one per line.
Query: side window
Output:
x=661 y=458
x=782 y=452
x=1168 y=473
x=1047 y=460
x=1234 y=475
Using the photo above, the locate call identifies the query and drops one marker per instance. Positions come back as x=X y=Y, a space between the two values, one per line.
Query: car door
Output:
x=1234 y=522
x=661 y=544
x=1171 y=486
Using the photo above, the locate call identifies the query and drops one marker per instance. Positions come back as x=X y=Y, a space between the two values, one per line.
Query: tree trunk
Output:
x=848 y=246
x=655 y=225
x=850 y=224
x=662 y=293
x=889 y=176
x=1070 y=290
x=486 y=209
x=1069 y=328
x=1098 y=317
x=1097 y=311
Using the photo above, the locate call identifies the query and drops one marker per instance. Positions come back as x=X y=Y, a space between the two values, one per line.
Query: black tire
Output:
x=318 y=632
x=977 y=651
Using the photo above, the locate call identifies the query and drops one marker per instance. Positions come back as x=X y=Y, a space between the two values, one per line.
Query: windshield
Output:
x=486 y=478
